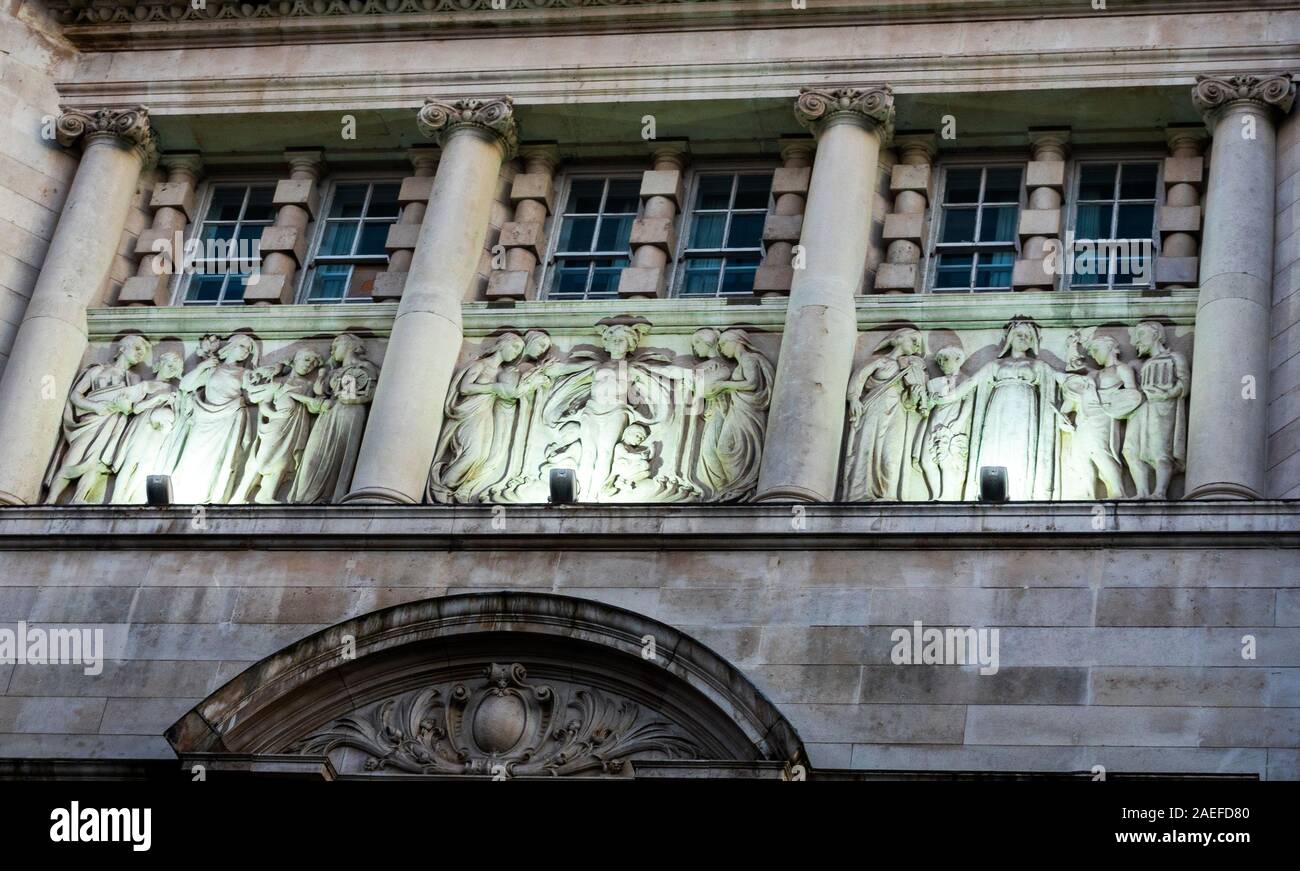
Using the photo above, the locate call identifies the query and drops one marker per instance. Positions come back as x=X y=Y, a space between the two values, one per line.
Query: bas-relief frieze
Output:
x=1107 y=418
x=232 y=428
x=639 y=418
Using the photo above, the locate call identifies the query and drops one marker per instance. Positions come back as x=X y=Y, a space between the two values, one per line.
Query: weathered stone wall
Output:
x=1121 y=649
x=1284 y=359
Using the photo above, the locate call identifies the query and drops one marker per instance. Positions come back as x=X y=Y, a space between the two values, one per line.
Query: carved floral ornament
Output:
x=130 y=125
x=494 y=117
x=229 y=430
x=503 y=725
x=871 y=106
x=1213 y=94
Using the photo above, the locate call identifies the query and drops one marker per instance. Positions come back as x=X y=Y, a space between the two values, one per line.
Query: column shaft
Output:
x=806 y=420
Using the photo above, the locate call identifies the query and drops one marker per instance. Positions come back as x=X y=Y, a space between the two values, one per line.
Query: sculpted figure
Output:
x=1013 y=420
x=943 y=449
x=1098 y=400
x=735 y=419
x=1156 y=438
x=631 y=465
x=284 y=417
x=140 y=453
x=690 y=414
x=330 y=455
x=220 y=427
x=884 y=396
x=94 y=420
x=531 y=376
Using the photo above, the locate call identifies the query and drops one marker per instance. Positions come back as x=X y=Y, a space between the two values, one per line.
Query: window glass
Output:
x=351 y=251
x=725 y=239
x=976 y=245
x=228 y=239
x=594 y=237
x=1114 y=225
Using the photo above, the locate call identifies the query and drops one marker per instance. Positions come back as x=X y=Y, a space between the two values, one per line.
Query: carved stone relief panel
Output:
x=231 y=419
x=1090 y=412
x=638 y=416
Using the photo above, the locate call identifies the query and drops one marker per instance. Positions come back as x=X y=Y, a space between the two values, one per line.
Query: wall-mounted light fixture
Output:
x=563 y=486
x=993 y=484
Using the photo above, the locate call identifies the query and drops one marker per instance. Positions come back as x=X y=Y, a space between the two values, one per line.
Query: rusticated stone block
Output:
x=905 y=225
x=1184 y=170
x=909 y=177
x=773 y=279
x=538 y=186
x=524 y=234
x=300 y=192
x=1032 y=273
x=145 y=290
x=264 y=288
x=175 y=195
x=663 y=183
x=512 y=284
x=896 y=276
x=402 y=236
x=1040 y=222
x=782 y=228
x=791 y=180
x=1179 y=219
x=642 y=281
x=144 y=243
x=388 y=286
x=658 y=232
x=285 y=240
x=1045 y=174
x=415 y=189
x=1177 y=270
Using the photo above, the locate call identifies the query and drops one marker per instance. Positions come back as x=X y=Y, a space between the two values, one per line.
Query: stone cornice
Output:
x=1213 y=95
x=926 y=526
x=493 y=117
x=871 y=106
x=129 y=126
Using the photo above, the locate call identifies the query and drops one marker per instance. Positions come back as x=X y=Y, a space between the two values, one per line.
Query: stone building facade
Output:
x=781 y=288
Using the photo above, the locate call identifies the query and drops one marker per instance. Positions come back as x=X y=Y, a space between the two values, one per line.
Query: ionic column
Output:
x=1180 y=217
x=284 y=243
x=173 y=202
x=1228 y=427
x=402 y=432
x=801 y=453
x=47 y=351
x=413 y=197
x=1040 y=224
x=905 y=226
x=524 y=239
x=654 y=233
x=782 y=228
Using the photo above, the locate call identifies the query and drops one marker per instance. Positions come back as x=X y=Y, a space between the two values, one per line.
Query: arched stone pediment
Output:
x=500 y=684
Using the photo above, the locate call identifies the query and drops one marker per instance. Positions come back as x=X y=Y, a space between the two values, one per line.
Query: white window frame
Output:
x=180 y=283
x=548 y=271
x=686 y=218
x=935 y=248
x=1072 y=205
x=317 y=231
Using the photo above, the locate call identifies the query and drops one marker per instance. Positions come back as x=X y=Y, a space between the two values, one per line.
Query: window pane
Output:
x=738 y=277
x=1002 y=185
x=1093 y=221
x=329 y=283
x=259 y=204
x=604 y=279
x=752 y=191
x=218 y=232
x=235 y=286
x=205 y=288
x=958 y=225
x=994 y=270
x=963 y=186
x=614 y=233
x=373 y=236
x=1135 y=221
x=624 y=195
x=226 y=203
x=999 y=224
x=1088 y=268
x=1097 y=181
x=701 y=277
x=746 y=231
x=953 y=271
x=349 y=201
x=383 y=201
x=338 y=238
x=585 y=194
x=714 y=192
x=571 y=278
x=706 y=231
x=577 y=234
x=1137 y=181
